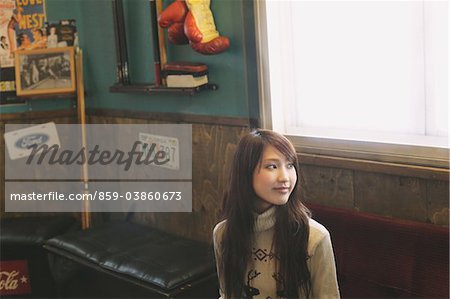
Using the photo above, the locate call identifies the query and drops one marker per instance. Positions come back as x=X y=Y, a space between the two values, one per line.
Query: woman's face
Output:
x=274 y=178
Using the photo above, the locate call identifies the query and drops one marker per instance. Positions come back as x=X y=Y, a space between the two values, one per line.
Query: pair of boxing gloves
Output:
x=191 y=21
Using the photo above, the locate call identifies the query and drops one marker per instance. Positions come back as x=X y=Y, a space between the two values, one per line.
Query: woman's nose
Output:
x=283 y=175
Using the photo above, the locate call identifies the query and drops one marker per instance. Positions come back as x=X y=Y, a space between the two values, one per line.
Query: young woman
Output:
x=268 y=246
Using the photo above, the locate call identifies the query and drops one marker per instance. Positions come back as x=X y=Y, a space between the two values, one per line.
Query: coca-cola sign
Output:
x=14 y=278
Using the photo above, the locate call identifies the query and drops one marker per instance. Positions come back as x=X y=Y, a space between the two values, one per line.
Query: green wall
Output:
x=234 y=70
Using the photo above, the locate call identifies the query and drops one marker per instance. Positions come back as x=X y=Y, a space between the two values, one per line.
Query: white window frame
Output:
x=373 y=151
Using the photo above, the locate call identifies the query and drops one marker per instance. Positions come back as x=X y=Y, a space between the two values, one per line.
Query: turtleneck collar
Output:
x=265 y=220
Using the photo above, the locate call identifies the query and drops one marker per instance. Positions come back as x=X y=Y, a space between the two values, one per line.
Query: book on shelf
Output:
x=186 y=81
x=185 y=74
x=184 y=67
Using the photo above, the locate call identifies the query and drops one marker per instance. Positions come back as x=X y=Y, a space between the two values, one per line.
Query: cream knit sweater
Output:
x=261 y=276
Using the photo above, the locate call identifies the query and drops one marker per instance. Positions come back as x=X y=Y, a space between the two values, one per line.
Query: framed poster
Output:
x=19 y=20
x=45 y=71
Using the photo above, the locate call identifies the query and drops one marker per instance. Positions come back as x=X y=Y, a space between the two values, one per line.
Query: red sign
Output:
x=14 y=278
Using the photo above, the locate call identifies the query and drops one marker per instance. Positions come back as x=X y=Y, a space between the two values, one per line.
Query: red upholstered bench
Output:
x=379 y=257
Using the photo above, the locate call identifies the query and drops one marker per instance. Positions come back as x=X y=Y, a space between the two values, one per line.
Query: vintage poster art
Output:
x=7 y=46
x=7 y=32
x=61 y=34
x=20 y=22
x=30 y=22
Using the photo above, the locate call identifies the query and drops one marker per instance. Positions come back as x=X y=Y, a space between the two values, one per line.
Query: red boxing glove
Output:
x=200 y=29
x=173 y=17
x=216 y=46
x=191 y=30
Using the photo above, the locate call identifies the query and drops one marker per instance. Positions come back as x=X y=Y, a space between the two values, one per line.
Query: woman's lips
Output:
x=282 y=189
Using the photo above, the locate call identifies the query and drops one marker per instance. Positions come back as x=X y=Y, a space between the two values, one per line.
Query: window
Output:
x=364 y=79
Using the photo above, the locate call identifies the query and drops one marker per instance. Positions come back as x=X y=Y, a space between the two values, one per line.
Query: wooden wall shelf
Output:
x=153 y=89
x=123 y=83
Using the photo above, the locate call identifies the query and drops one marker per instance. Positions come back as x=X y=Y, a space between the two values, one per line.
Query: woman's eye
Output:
x=271 y=166
x=290 y=165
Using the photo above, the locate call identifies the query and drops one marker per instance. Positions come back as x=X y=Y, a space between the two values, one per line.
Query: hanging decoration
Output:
x=192 y=21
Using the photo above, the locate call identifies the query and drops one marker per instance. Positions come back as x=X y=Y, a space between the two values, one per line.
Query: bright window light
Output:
x=360 y=70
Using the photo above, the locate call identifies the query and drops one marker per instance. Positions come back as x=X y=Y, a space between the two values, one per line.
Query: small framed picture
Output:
x=45 y=71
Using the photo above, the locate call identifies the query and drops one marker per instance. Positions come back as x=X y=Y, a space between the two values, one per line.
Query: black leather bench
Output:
x=143 y=261
x=21 y=241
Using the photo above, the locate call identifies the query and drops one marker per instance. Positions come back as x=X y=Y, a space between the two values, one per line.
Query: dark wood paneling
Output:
x=328 y=186
x=31 y=116
x=59 y=117
x=212 y=153
x=432 y=173
x=388 y=195
x=359 y=185
x=393 y=196
x=438 y=202
x=212 y=150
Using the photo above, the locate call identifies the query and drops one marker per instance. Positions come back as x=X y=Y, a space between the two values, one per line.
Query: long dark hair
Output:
x=291 y=227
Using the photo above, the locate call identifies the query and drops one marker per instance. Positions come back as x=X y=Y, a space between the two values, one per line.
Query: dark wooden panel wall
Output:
x=58 y=117
x=214 y=141
x=397 y=196
x=404 y=196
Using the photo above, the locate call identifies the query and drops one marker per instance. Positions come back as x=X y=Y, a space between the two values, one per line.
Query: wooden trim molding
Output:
x=424 y=172
x=32 y=115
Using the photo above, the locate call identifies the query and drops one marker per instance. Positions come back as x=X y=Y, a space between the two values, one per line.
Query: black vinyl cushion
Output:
x=22 y=239
x=139 y=252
